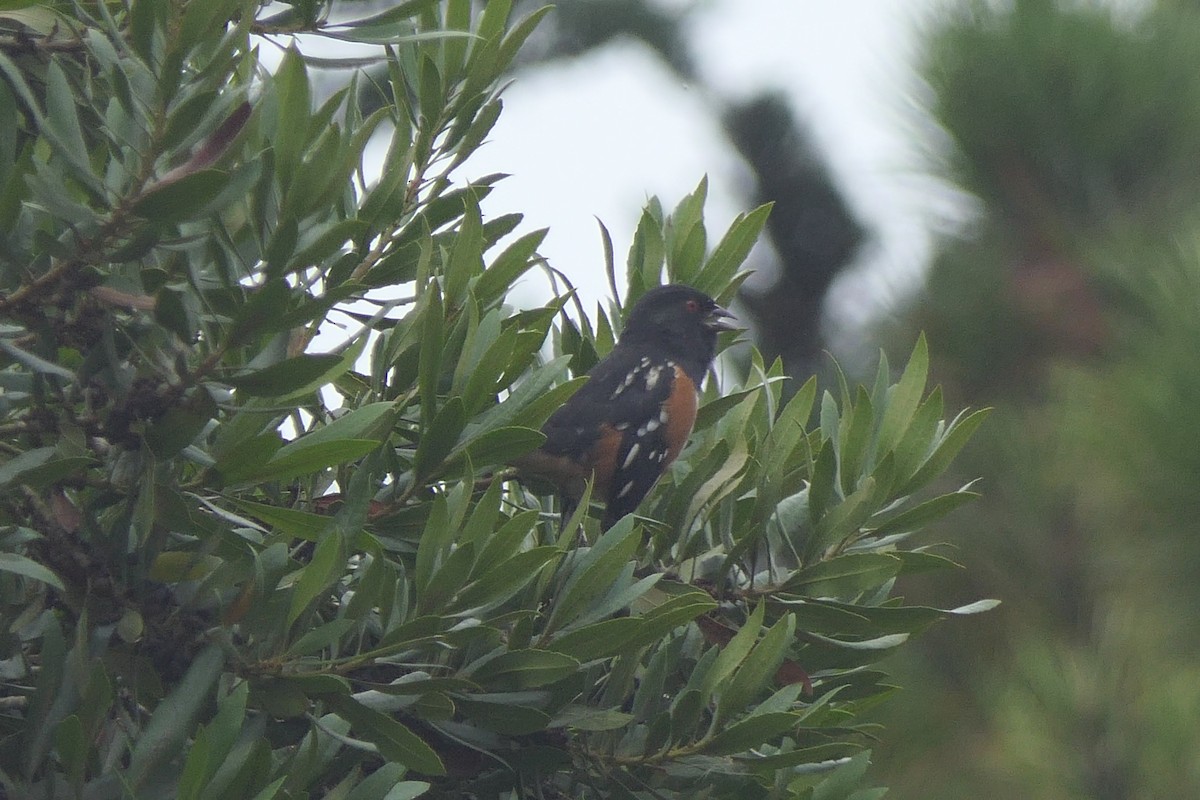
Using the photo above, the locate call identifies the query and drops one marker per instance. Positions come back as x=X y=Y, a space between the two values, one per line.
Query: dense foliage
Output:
x=239 y=563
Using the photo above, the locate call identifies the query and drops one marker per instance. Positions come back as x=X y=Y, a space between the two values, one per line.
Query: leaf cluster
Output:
x=233 y=564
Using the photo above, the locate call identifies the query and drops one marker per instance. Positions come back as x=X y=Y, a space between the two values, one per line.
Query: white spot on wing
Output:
x=650 y=427
x=625 y=490
x=633 y=451
x=625 y=384
x=652 y=377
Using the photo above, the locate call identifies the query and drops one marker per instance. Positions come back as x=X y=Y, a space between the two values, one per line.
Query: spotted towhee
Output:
x=633 y=415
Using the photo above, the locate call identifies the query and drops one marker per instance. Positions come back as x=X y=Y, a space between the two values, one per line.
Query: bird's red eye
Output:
x=692 y=306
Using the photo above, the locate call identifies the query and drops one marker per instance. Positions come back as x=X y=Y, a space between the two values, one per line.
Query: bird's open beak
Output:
x=721 y=320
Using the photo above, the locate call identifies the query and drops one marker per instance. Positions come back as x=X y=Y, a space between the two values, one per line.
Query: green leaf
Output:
x=11 y=471
x=51 y=471
x=532 y=401
x=845 y=576
x=957 y=435
x=719 y=484
x=20 y=565
x=481 y=124
x=69 y=742
x=435 y=542
x=599 y=640
x=466 y=254
x=281 y=247
x=887 y=642
x=677 y=611
x=502 y=580
x=518 y=670
x=594 y=572
x=430 y=89
x=685 y=235
x=921 y=515
x=510 y=265
x=751 y=732
x=317 y=576
x=316 y=246
x=36 y=363
x=213 y=744
x=734 y=653
x=171 y=724
x=789 y=429
x=493 y=19
x=292 y=522
x=505 y=542
x=431 y=320
x=586 y=718
x=844 y=520
x=844 y=779
x=517 y=36
x=271 y=791
x=836 y=619
x=372 y=421
x=262 y=304
x=62 y=115
x=823 y=481
x=978 y=607
x=454 y=50
x=503 y=714
x=500 y=445
x=732 y=250
x=181 y=565
x=179 y=199
x=397 y=13
x=304 y=459
x=386 y=783
x=917 y=561
x=918 y=440
x=439 y=439
x=321 y=637
x=179 y=427
x=395 y=741
x=646 y=255
x=202 y=19
x=287 y=376
x=854 y=441
x=451 y=573
x=291 y=84
x=905 y=397
x=484 y=519
x=752 y=677
x=621 y=596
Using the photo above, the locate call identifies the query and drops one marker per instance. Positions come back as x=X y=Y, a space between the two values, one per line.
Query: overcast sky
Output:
x=594 y=137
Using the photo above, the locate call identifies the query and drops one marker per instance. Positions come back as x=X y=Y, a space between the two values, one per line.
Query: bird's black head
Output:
x=682 y=321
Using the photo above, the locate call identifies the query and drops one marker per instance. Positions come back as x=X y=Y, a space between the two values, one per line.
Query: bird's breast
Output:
x=679 y=413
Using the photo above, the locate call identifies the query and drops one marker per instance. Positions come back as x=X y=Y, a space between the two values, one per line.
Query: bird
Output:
x=633 y=415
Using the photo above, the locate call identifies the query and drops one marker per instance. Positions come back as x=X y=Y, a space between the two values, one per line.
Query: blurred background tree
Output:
x=812 y=231
x=1070 y=303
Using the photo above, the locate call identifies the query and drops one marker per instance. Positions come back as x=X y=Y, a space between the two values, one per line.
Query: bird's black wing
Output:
x=623 y=424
